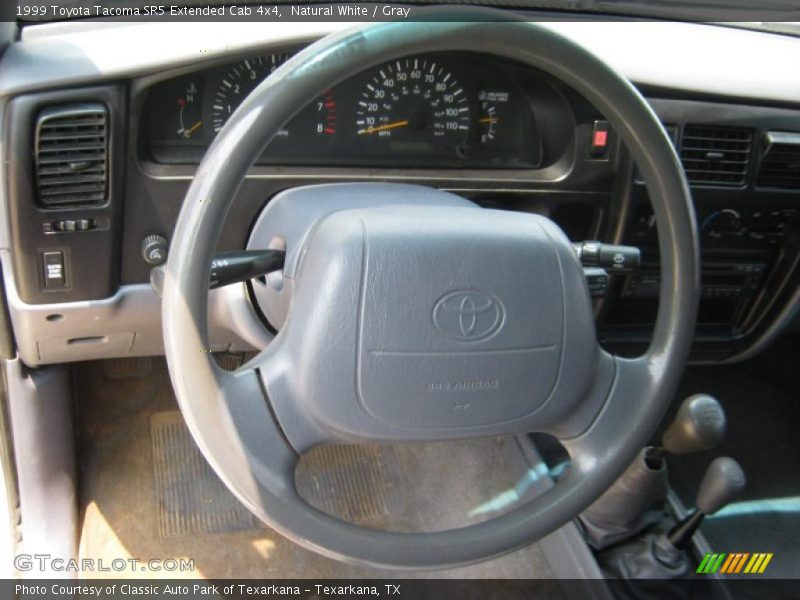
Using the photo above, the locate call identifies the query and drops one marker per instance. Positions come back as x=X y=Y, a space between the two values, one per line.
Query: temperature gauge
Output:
x=190 y=110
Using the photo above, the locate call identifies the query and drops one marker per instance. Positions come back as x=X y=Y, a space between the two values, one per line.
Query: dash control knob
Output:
x=154 y=249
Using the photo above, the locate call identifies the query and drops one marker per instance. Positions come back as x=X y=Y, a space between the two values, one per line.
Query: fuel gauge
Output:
x=190 y=110
x=488 y=122
x=492 y=103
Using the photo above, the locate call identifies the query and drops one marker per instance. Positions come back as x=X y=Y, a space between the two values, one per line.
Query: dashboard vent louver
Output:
x=780 y=162
x=716 y=156
x=72 y=155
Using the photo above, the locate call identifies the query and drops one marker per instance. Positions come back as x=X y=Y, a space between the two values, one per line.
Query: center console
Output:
x=739 y=249
x=748 y=225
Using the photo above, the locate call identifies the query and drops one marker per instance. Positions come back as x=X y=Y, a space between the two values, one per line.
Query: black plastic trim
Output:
x=91 y=257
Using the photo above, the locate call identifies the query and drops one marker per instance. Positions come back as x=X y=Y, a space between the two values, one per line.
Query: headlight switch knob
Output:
x=154 y=249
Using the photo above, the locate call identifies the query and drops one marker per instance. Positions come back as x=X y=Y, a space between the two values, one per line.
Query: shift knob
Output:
x=698 y=425
x=724 y=480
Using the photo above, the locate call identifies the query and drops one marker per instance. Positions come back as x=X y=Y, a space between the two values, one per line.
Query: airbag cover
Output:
x=414 y=322
x=462 y=323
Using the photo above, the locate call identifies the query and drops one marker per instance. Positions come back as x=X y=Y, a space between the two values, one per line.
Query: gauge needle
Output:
x=386 y=127
x=488 y=120
x=192 y=129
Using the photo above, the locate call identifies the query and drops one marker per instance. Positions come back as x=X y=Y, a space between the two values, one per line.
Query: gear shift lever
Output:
x=723 y=481
x=636 y=500
x=698 y=425
x=663 y=556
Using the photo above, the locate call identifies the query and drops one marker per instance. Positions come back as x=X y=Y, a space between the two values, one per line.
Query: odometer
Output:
x=413 y=105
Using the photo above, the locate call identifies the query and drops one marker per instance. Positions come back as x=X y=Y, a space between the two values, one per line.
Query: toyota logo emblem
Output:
x=468 y=315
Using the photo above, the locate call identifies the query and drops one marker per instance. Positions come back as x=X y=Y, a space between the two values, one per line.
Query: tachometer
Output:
x=238 y=82
x=413 y=105
x=315 y=124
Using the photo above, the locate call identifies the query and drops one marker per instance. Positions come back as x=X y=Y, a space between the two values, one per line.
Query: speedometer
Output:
x=311 y=129
x=413 y=105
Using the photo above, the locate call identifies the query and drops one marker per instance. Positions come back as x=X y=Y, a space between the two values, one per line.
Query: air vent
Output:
x=716 y=155
x=780 y=162
x=72 y=155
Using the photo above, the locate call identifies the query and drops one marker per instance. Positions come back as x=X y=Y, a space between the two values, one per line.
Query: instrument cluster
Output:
x=446 y=110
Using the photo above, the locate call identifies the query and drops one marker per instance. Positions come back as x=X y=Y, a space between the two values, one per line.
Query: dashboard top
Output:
x=667 y=55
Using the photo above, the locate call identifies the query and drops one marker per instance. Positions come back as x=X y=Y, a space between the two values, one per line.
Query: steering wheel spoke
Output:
x=579 y=419
x=596 y=448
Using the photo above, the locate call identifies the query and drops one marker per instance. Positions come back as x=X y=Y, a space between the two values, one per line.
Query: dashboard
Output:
x=443 y=110
x=498 y=133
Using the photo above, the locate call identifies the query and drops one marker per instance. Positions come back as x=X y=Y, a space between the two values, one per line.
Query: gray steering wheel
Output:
x=411 y=314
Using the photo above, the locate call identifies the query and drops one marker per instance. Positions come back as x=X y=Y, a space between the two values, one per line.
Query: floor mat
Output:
x=360 y=484
x=763 y=419
x=126 y=368
x=191 y=498
x=134 y=507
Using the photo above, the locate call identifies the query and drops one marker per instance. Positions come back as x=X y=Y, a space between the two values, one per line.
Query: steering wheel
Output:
x=413 y=315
